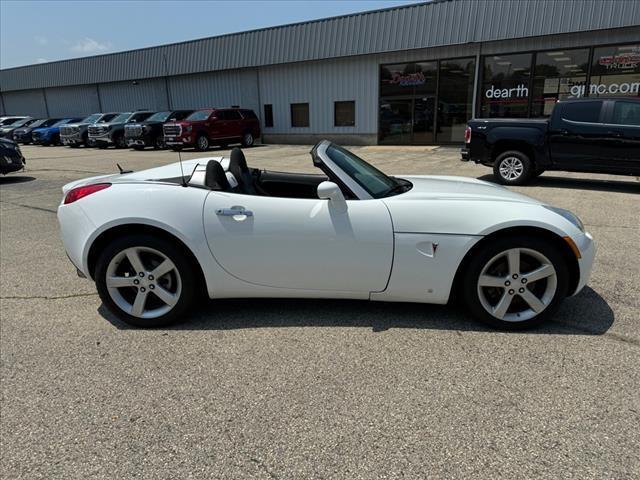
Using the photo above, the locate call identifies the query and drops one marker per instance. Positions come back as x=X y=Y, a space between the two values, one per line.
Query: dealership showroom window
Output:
x=511 y=85
x=529 y=84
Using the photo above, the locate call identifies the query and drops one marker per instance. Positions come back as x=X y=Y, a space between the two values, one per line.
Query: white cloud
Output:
x=41 y=60
x=40 y=40
x=89 y=45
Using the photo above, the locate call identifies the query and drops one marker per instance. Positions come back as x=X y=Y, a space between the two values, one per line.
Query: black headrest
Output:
x=215 y=178
x=238 y=161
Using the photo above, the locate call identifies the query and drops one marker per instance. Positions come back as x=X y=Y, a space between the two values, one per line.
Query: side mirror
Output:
x=330 y=191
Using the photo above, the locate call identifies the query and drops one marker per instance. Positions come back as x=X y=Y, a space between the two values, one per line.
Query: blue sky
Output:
x=48 y=30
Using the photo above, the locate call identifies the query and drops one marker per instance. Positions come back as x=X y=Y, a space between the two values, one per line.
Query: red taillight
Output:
x=467 y=134
x=80 y=192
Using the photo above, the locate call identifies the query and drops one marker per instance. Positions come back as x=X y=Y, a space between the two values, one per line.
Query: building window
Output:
x=505 y=86
x=299 y=114
x=344 y=114
x=615 y=71
x=556 y=76
x=455 y=98
x=268 y=115
x=407 y=103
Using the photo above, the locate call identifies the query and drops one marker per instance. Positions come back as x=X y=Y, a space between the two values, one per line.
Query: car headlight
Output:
x=572 y=217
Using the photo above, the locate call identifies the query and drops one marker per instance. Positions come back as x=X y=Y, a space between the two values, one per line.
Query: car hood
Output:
x=441 y=187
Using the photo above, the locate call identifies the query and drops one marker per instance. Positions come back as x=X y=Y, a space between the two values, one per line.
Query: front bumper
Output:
x=143 y=141
x=187 y=140
x=101 y=140
x=22 y=138
x=72 y=139
x=465 y=154
x=587 y=248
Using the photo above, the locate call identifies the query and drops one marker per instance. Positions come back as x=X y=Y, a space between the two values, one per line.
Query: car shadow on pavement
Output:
x=620 y=186
x=585 y=314
x=15 y=179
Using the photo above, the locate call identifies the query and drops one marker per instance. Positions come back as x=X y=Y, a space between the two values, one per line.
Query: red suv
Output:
x=220 y=126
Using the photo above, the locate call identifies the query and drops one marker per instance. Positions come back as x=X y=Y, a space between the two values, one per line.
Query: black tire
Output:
x=471 y=291
x=202 y=143
x=158 y=143
x=138 y=147
x=73 y=145
x=184 y=266
x=248 y=140
x=513 y=168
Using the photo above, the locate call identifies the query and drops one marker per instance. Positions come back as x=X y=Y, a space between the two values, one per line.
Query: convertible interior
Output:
x=239 y=178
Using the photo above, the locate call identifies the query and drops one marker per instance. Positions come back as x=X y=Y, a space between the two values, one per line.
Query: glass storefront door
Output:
x=409 y=93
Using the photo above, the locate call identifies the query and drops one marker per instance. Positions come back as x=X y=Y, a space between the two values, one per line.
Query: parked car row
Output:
x=176 y=129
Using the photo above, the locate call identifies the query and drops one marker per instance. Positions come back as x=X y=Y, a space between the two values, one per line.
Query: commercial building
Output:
x=405 y=75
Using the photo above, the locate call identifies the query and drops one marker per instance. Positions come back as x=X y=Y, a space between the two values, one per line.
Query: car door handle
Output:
x=230 y=212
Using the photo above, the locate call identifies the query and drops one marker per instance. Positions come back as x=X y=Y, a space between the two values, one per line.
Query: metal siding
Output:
x=441 y=22
x=125 y=96
x=215 y=89
x=25 y=102
x=75 y=101
x=321 y=84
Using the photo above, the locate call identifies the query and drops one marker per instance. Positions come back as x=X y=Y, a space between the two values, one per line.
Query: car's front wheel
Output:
x=515 y=282
x=145 y=281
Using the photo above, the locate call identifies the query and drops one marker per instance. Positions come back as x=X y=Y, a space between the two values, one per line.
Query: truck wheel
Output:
x=513 y=168
x=158 y=143
x=247 y=139
x=202 y=143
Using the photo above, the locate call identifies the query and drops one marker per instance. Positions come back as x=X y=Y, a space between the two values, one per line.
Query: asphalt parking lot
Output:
x=313 y=389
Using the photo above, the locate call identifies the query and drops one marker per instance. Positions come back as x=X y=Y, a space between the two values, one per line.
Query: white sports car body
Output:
x=350 y=232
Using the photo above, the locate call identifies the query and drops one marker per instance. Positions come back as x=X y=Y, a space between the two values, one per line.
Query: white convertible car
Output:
x=153 y=240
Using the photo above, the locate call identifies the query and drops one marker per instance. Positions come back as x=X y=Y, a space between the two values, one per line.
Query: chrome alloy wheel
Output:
x=517 y=284
x=511 y=168
x=143 y=282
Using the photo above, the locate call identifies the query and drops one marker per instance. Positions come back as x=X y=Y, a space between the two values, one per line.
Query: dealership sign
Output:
x=519 y=91
x=624 y=88
x=625 y=60
x=407 y=79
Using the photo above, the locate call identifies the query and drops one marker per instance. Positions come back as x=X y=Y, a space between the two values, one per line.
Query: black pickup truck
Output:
x=149 y=132
x=598 y=135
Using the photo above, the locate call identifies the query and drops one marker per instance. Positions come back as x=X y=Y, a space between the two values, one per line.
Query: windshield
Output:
x=19 y=123
x=376 y=183
x=159 y=117
x=121 y=118
x=38 y=123
x=199 y=115
x=92 y=118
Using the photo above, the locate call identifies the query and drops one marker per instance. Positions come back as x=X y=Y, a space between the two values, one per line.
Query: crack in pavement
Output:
x=29 y=206
x=48 y=297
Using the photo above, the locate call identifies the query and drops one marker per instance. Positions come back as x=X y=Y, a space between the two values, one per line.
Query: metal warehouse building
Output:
x=406 y=75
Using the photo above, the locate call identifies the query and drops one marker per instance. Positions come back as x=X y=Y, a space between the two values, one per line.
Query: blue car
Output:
x=50 y=135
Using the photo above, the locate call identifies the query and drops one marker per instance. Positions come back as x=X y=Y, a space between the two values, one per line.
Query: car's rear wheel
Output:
x=145 y=281
x=515 y=282
x=513 y=168
x=247 y=139
x=202 y=143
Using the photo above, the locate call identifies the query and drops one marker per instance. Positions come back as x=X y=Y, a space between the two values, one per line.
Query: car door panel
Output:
x=301 y=243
